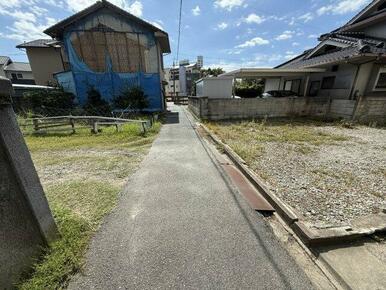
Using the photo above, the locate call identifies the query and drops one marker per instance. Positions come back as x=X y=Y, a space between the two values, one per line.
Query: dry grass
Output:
x=249 y=138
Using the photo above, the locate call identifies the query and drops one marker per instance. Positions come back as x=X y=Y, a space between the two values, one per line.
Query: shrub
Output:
x=48 y=101
x=249 y=88
x=133 y=98
x=248 y=92
x=96 y=105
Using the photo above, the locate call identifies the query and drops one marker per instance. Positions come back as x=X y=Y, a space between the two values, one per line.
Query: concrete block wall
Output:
x=371 y=110
x=341 y=109
x=232 y=109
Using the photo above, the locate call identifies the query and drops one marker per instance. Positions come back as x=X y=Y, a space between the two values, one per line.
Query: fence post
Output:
x=72 y=123
x=143 y=129
x=36 y=124
x=94 y=127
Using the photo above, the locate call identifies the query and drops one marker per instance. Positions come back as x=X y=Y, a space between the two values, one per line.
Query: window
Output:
x=328 y=83
x=380 y=84
x=314 y=88
x=19 y=76
x=14 y=76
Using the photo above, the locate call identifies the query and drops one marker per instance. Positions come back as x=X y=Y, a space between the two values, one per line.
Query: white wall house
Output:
x=215 y=87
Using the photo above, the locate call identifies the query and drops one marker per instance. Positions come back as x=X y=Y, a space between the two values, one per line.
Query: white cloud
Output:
x=253 y=18
x=295 y=43
x=222 y=26
x=343 y=7
x=228 y=4
x=135 y=8
x=253 y=42
x=24 y=30
x=19 y=15
x=258 y=60
x=285 y=35
x=313 y=36
x=306 y=17
x=290 y=56
x=158 y=24
x=196 y=11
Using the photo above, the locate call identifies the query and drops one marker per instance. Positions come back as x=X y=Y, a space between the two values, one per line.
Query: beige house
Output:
x=45 y=57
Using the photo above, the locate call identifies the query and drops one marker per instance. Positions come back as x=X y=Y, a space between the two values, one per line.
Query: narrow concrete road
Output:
x=178 y=225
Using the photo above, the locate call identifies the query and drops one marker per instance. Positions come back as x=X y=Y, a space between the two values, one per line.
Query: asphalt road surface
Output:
x=178 y=225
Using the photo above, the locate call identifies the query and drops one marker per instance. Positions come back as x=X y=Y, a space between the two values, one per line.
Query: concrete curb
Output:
x=310 y=237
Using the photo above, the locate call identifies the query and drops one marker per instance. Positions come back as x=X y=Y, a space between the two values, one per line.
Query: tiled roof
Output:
x=356 y=46
x=18 y=66
x=4 y=60
x=35 y=43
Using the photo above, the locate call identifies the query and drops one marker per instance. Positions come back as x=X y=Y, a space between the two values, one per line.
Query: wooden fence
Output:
x=71 y=123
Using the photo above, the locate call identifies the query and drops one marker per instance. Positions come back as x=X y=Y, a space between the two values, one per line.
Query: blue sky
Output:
x=228 y=33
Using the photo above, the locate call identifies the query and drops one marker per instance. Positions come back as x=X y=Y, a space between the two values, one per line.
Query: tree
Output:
x=133 y=98
x=249 y=88
x=96 y=105
x=212 y=72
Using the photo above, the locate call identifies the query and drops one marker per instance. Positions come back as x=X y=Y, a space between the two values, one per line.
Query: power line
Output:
x=179 y=31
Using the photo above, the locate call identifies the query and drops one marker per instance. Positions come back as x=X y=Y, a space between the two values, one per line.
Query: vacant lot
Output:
x=328 y=173
x=82 y=175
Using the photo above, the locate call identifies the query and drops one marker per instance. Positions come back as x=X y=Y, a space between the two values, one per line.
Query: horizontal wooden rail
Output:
x=94 y=121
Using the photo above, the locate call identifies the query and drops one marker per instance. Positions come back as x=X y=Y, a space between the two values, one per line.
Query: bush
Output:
x=249 y=88
x=96 y=105
x=133 y=98
x=48 y=101
x=248 y=92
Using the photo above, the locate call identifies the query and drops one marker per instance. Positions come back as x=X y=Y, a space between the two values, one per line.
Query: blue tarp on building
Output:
x=111 y=82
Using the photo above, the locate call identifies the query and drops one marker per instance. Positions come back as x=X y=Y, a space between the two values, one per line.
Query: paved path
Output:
x=178 y=225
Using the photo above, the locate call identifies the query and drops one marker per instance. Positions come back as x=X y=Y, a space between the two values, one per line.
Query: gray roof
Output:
x=4 y=60
x=357 y=45
x=35 y=43
x=18 y=66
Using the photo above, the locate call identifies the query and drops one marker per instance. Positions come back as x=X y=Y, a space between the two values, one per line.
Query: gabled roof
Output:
x=365 y=12
x=349 y=40
x=18 y=66
x=35 y=43
x=4 y=60
x=354 y=46
x=369 y=15
x=57 y=29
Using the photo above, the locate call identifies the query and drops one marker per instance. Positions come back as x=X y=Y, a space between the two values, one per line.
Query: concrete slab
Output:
x=357 y=264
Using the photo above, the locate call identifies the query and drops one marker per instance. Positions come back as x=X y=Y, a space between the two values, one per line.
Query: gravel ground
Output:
x=329 y=174
x=330 y=185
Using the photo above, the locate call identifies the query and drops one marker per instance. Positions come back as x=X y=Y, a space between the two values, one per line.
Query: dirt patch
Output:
x=110 y=165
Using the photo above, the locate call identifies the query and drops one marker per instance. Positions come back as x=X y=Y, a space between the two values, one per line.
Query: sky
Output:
x=229 y=33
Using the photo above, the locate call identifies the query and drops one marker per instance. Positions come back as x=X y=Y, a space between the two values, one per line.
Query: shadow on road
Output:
x=172 y=118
